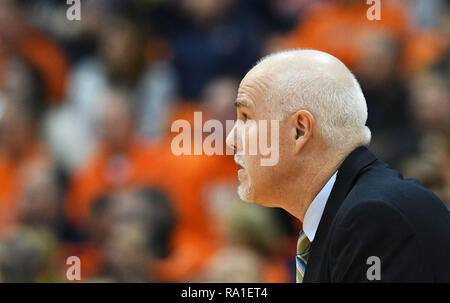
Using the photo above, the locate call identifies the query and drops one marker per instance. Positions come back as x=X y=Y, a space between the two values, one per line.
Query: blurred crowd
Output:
x=86 y=167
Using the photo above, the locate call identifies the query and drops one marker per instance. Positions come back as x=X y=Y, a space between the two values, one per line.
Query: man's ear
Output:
x=302 y=126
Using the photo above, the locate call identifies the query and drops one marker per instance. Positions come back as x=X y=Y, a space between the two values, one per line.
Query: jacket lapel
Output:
x=346 y=177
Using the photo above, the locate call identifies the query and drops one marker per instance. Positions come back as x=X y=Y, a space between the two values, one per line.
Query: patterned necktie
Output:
x=303 y=246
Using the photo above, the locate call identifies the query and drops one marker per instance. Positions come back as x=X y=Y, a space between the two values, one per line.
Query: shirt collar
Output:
x=315 y=210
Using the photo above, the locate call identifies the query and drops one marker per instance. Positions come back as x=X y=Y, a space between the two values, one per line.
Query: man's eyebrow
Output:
x=240 y=102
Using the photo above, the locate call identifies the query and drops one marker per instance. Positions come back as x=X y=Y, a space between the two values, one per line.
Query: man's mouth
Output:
x=239 y=161
x=242 y=173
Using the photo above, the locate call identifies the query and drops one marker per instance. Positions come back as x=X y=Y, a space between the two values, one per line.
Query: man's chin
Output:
x=245 y=193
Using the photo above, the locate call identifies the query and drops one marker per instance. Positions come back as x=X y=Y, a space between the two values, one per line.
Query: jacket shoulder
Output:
x=380 y=186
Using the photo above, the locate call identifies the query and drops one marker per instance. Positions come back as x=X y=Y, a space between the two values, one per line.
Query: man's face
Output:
x=258 y=181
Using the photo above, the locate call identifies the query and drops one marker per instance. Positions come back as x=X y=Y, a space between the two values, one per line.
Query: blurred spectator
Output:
x=127 y=255
x=249 y=250
x=19 y=146
x=24 y=84
x=120 y=159
x=129 y=231
x=40 y=202
x=134 y=244
x=387 y=98
x=19 y=38
x=340 y=28
x=278 y=16
x=25 y=256
x=121 y=62
x=424 y=13
x=150 y=208
x=210 y=38
x=430 y=108
x=28 y=250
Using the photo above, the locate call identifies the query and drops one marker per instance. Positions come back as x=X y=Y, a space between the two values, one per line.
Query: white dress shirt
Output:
x=315 y=210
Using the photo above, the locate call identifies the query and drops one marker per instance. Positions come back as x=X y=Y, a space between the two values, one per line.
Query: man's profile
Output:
x=353 y=206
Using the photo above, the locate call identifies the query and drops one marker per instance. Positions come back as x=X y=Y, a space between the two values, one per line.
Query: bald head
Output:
x=315 y=81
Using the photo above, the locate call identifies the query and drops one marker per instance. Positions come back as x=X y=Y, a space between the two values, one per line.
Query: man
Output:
x=361 y=220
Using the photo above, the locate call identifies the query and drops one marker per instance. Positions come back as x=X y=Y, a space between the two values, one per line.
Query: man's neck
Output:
x=307 y=186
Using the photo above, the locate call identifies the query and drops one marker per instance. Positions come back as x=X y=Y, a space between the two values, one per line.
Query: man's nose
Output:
x=230 y=141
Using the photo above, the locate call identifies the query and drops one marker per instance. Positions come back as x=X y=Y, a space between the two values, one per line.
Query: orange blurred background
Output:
x=86 y=167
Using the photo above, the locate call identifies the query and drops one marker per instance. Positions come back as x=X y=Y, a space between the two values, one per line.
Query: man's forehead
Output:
x=252 y=89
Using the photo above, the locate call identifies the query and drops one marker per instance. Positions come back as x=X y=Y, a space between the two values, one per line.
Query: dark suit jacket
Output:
x=373 y=211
